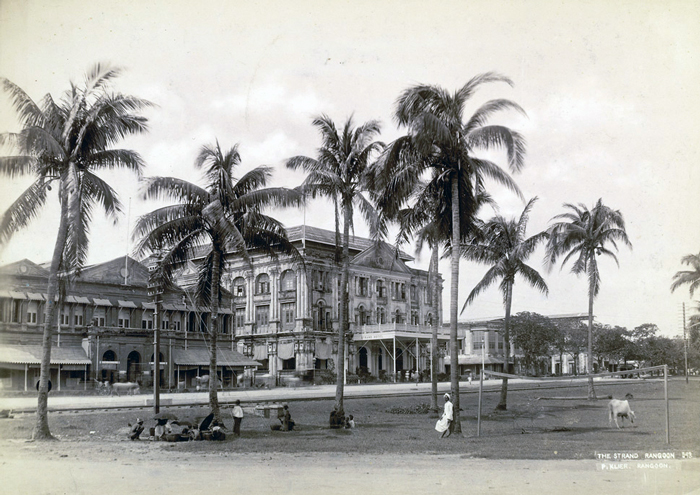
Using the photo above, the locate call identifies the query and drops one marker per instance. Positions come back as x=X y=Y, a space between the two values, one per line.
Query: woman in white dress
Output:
x=444 y=424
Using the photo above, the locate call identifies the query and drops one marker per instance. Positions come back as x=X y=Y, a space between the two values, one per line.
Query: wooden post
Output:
x=668 y=435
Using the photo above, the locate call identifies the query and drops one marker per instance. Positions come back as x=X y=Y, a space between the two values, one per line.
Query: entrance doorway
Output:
x=132 y=366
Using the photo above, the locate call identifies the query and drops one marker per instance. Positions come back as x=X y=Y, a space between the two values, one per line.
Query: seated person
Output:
x=350 y=422
x=136 y=430
x=287 y=423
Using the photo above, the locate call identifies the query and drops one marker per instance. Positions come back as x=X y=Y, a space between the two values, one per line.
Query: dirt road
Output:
x=135 y=469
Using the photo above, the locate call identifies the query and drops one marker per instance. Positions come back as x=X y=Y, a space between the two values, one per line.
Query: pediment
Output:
x=381 y=257
x=24 y=268
x=116 y=271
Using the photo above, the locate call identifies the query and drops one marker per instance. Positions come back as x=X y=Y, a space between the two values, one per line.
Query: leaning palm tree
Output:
x=506 y=249
x=342 y=172
x=688 y=277
x=65 y=142
x=437 y=130
x=223 y=218
x=584 y=234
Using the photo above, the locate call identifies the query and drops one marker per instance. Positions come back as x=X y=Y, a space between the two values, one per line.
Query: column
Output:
x=250 y=286
x=274 y=295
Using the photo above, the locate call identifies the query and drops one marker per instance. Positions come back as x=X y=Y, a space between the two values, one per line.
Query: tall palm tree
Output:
x=688 y=277
x=223 y=218
x=506 y=249
x=435 y=122
x=342 y=172
x=584 y=234
x=66 y=142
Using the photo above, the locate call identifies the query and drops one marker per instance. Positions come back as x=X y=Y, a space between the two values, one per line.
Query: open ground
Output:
x=395 y=440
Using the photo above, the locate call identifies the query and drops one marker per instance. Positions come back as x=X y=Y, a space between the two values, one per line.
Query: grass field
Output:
x=530 y=429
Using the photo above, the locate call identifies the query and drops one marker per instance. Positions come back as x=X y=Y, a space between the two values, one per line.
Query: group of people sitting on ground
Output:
x=171 y=430
x=285 y=418
x=338 y=420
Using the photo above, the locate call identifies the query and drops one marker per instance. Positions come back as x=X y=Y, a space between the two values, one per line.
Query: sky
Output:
x=609 y=88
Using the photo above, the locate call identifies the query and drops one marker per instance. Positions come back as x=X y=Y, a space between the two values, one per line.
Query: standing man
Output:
x=237 y=418
x=447 y=416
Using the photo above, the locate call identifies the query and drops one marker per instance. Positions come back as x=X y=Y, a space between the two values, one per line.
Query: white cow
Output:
x=129 y=388
x=620 y=408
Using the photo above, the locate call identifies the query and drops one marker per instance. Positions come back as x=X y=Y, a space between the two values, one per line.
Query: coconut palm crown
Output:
x=223 y=218
x=691 y=278
x=66 y=142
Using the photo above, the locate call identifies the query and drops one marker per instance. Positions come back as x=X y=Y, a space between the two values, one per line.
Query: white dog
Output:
x=620 y=408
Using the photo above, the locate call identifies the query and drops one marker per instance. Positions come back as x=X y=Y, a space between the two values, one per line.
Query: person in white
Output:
x=237 y=418
x=444 y=424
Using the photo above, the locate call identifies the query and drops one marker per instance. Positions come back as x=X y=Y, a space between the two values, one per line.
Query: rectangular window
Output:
x=124 y=323
x=262 y=317
x=240 y=318
x=492 y=344
x=288 y=311
x=16 y=311
x=176 y=325
x=78 y=320
x=98 y=321
x=31 y=317
x=362 y=286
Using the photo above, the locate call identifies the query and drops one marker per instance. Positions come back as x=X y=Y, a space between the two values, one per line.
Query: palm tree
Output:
x=688 y=277
x=585 y=234
x=66 y=142
x=225 y=217
x=506 y=249
x=434 y=119
x=342 y=172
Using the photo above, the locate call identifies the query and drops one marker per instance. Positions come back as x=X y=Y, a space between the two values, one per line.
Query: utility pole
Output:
x=155 y=289
x=685 y=346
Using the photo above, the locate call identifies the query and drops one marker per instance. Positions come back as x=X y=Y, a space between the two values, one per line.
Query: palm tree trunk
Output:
x=344 y=316
x=454 y=295
x=591 y=390
x=41 y=429
x=434 y=324
x=502 y=403
x=213 y=378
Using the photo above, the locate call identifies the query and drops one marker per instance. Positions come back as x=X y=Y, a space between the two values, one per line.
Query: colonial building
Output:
x=279 y=315
x=105 y=330
x=482 y=340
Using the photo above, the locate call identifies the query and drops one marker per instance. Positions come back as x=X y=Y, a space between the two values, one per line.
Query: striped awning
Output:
x=147 y=305
x=31 y=354
x=33 y=296
x=101 y=302
x=126 y=304
x=17 y=295
x=200 y=357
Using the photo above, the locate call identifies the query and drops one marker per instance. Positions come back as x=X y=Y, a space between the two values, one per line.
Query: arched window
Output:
x=381 y=315
x=397 y=316
x=381 y=290
x=321 y=315
x=262 y=284
x=109 y=356
x=238 y=287
x=361 y=317
x=288 y=280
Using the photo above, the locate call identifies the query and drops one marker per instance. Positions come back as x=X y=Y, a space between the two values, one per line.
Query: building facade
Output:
x=278 y=316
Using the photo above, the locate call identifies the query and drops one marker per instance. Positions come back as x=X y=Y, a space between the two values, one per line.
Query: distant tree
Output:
x=688 y=277
x=611 y=344
x=535 y=335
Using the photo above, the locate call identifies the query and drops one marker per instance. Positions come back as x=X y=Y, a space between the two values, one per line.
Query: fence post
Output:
x=668 y=435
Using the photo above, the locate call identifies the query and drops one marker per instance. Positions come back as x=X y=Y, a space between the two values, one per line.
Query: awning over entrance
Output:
x=31 y=354
x=200 y=357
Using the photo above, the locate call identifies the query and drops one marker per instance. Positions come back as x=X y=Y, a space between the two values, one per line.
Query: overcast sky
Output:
x=610 y=89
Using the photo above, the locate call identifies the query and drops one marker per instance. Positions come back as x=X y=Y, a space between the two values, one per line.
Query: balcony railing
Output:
x=373 y=330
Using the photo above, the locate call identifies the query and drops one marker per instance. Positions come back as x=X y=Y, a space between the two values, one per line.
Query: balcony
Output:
x=369 y=332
